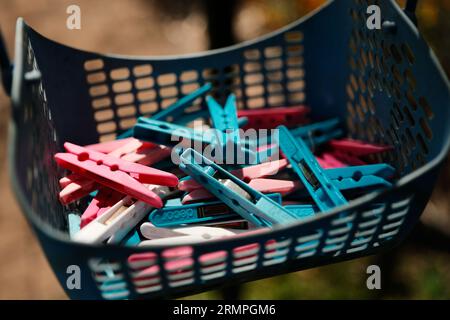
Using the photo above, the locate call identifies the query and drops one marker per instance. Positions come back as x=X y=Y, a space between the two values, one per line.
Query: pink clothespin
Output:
x=104 y=200
x=283 y=187
x=76 y=187
x=109 y=146
x=329 y=161
x=252 y=175
x=347 y=158
x=357 y=148
x=270 y=118
x=245 y=174
x=123 y=176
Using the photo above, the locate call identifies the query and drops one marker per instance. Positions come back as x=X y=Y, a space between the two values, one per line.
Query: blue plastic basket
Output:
x=386 y=85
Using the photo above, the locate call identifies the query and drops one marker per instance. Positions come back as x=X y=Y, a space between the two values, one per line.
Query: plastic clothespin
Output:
x=164 y=236
x=131 y=239
x=225 y=119
x=180 y=137
x=174 y=213
x=176 y=110
x=319 y=133
x=75 y=187
x=238 y=224
x=361 y=177
x=357 y=178
x=328 y=161
x=265 y=186
x=120 y=175
x=270 y=118
x=267 y=152
x=251 y=175
x=109 y=146
x=169 y=134
x=104 y=200
x=302 y=211
x=246 y=174
x=357 y=148
x=252 y=205
x=141 y=152
x=115 y=223
x=214 y=213
x=174 y=135
x=73 y=221
x=324 y=193
x=347 y=158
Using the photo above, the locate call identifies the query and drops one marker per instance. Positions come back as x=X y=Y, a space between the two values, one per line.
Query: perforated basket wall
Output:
x=386 y=86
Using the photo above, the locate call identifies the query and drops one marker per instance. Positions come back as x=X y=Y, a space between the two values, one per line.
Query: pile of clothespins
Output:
x=138 y=195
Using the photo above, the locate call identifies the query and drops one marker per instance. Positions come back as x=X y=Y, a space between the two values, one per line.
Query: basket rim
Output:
x=197 y=54
x=63 y=237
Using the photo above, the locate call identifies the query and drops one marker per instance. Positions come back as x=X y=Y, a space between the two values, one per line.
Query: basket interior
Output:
x=376 y=82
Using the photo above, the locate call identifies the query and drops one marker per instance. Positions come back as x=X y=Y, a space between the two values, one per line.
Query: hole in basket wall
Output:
x=260 y=77
x=383 y=70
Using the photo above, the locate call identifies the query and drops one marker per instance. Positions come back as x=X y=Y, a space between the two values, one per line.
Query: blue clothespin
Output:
x=173 y=135
x=174 y=213
x=225 y=120
x=319 y=133
x=168 y=134
x=132 y=239
x=213 y=213
x=324 y=193
x=74 y=221
x=177 y=109
x=361 y=177
x=302 y=211
x=252 y=205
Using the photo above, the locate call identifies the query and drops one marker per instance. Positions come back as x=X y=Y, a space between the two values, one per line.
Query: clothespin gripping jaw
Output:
x=254 y=206
x=320 y=187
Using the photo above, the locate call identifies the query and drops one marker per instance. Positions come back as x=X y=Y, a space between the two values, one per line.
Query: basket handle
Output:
x=5 y=66
x=410 y=10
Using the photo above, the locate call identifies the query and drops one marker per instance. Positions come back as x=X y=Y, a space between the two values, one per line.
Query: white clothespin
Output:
x=115 y=223
x=165 y=236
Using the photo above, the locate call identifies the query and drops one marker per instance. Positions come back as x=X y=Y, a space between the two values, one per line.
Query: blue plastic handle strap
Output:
x=319 y=133
x=176 y=109
x=252 y=205
x=324 y=193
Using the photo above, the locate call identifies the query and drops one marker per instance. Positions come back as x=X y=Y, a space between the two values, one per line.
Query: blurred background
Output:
x=418 y=269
